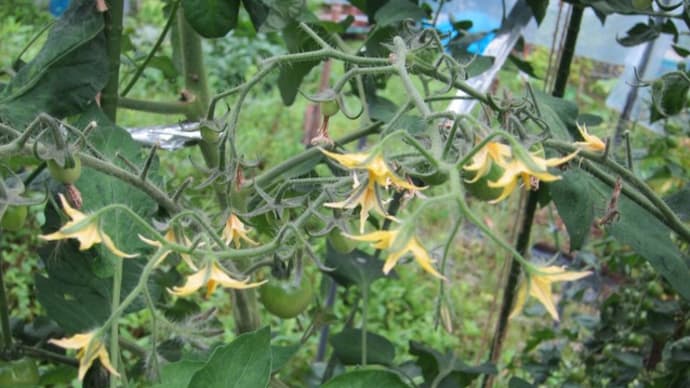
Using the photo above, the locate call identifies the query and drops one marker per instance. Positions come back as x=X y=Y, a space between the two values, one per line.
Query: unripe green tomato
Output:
x=285 y=299
x=329 y=108
x=672 y=141
x=65 y=175
x=642 y=5
x=19 y=373
x=339 y=242
x=438 y=177
x=655 y=289
x=14 y=218
x=480 y=188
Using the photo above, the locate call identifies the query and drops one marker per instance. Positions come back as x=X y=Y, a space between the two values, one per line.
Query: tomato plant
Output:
x=64 y=174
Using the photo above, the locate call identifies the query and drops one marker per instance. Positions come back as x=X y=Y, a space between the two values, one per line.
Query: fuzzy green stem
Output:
x=365 y=306
x=113 y=31
x=114 y=329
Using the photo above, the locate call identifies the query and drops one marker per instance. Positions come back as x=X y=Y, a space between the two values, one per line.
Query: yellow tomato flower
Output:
x=90 y=348
x=516 y=169
x=172 y=237
x=538 y=285
x=376 y=167
x=591 y=143
x=492 y=152
x=384 y=239
x=84 y=228
x=235 y=231
x=364 y=196
x=211 y=275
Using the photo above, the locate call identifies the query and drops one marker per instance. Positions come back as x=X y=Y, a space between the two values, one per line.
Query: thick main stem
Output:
x=568 y=51
x=113 y=31
x=196 y=83
x=4 y=310
x=114 y=329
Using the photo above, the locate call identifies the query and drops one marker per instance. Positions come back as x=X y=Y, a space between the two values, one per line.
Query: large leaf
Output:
x=395 y=11
x=178 y=374
x=291 y=75
x=257 y=10
x=559 y=115
x=637 y=228
x=575 y=205
x=77 y=289
x=456 y=372
x=669 y=95
x=245 y=362
x=354 y=268
x=347 y=346
x=282 y=13
x=67 y=73
x=366 y=378
x=211 y=18
x=680 y=203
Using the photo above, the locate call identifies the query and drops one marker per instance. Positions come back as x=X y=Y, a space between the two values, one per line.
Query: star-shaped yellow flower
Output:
x=384 y=239
x=366 y=195
x=376 y=167
x=538 y=285
x=211 y=275
x=591 y=143
x=492 y=152
x=90 y=348
x=236 y=231
x=86 y=229
x=516 y=169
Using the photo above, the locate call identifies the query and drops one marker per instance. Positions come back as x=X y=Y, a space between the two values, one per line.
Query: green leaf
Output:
x=245 y=362
x=523 y=66
x=291 y=75
x=669 y=95
x=78 y=26
x=679 y=202
x=282 y=13
x=257 y=10
x=211 y=18
x=636 y=227
x=356 y=267
x=65 y=76
x=178 y=374
x=539 y=8
x=347 y=346
x=366 y=378
x=651 y=239
x=640 y=33
x=383 y=109
x=575 y=205
x=395 y=11
x=457 y=373
x=516 y=382
x=559 y=115
x=280 y=355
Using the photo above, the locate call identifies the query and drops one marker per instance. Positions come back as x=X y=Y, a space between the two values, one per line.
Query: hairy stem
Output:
x=113 y=31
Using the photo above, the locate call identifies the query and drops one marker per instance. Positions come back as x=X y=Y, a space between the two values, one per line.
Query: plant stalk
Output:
x=113 y=31
x=114 y=329
x=4 y=309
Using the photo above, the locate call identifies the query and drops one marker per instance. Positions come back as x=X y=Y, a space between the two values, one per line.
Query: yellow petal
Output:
x=76 y=341
x=592 y=142
x=422 y=257
x=74 y=214
x=520 y=300
x=193 y=283
x=105 y=361
x=351 y=160
x=111 y=246
x=540 y=288
x=224 y=280
x=392 y=261
x=560 y=274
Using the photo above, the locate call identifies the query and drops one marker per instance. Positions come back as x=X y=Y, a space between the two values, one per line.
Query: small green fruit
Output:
x=480 y=188
x=63 y=174
x=285 y=299
x=329 y=108
x=339 y=242
x=14 y=218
